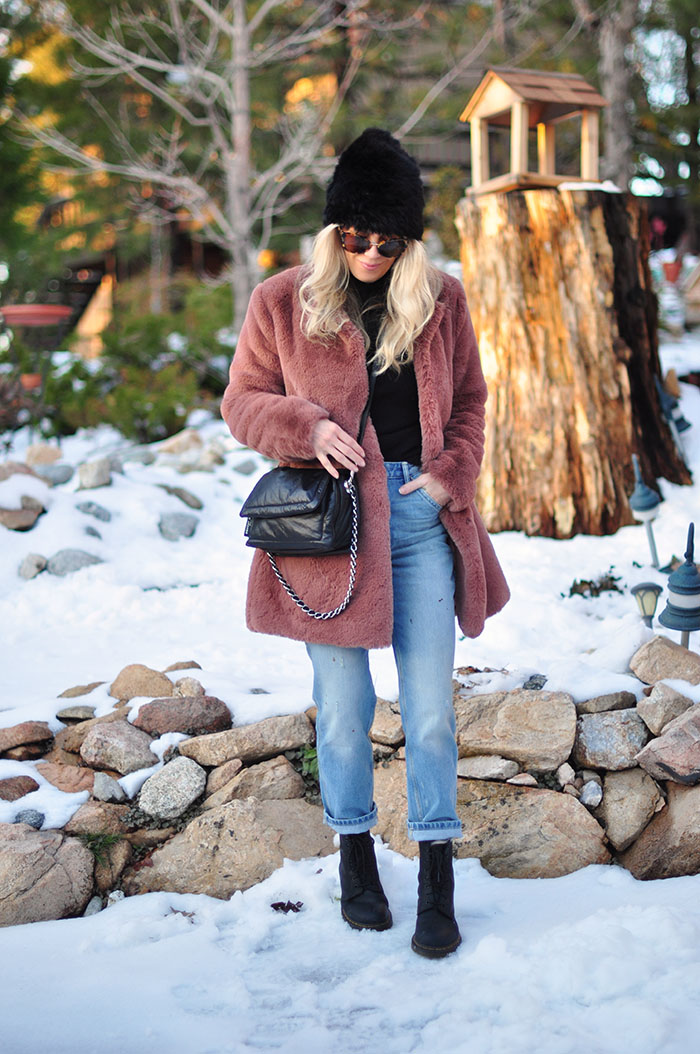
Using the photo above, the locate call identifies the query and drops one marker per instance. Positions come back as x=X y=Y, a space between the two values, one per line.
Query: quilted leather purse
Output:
x=306 y=512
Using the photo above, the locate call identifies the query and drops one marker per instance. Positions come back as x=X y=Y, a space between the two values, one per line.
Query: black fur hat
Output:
x=376 y=187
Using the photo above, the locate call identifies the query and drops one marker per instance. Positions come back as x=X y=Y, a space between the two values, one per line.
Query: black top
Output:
x=394 y=410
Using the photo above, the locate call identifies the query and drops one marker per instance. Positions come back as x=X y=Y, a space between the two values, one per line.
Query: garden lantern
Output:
x=647 y=596
x=644 y=503
x=682 y=611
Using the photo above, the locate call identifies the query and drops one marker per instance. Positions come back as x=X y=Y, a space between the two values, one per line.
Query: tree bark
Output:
x=561 y=298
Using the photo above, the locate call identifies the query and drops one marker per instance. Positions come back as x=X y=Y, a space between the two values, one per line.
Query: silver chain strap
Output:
x=350 y=488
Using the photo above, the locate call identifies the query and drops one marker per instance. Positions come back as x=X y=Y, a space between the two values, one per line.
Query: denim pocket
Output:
x=431 y=501
x=413 y=472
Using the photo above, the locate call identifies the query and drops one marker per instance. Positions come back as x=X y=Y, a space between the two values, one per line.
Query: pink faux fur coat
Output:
x=281 y=384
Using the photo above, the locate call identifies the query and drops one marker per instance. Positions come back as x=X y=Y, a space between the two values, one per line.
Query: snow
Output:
x=592 y=962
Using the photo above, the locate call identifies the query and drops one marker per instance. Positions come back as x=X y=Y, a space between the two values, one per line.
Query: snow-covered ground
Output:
x=586 y=964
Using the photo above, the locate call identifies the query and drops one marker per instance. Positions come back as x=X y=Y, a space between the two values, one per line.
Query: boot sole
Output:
x=379 y=927
x=434 y=953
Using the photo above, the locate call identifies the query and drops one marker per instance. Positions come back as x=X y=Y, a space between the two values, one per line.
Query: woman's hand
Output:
x=330 y=441
x=436 y=490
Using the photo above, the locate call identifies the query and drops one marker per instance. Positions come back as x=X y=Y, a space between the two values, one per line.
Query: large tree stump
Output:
x=560 y=294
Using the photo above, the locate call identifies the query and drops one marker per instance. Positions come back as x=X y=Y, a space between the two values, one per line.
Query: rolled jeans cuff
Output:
x=357 y=825
x=430 y=832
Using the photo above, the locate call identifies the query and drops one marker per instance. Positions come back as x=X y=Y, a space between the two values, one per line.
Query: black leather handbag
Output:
x=306 y=512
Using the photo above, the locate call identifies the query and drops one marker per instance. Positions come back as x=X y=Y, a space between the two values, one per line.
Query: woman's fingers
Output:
x=330 y=440
x=431 y=486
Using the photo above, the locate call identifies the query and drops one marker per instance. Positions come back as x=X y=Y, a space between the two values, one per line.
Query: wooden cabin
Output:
x=527 y=99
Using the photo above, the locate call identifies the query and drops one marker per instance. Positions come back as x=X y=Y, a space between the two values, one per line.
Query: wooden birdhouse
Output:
x=524 y=100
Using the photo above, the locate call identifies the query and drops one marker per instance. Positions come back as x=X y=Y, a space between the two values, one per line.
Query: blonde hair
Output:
x=327 y=303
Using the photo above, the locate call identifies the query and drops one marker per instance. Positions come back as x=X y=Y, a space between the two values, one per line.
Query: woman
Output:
x=298 y=386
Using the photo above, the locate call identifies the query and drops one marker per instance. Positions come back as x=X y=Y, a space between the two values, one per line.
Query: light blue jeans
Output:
x=424 y=643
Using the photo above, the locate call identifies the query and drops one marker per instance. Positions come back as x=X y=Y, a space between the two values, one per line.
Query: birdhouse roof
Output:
x=553 y=95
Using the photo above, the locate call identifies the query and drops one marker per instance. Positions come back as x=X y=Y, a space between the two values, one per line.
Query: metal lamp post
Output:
x=647 y=596
x=644 y=503
x=682 y=611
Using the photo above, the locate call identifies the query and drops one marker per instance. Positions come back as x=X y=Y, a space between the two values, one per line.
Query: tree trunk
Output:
x=238 y=172
x=615 y=36
x=560 y=295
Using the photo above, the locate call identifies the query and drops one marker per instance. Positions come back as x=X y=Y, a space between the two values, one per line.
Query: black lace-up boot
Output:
x=362 y=900
x=437 y=933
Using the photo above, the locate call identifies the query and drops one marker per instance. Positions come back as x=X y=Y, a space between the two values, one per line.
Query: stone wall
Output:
x=546 y=786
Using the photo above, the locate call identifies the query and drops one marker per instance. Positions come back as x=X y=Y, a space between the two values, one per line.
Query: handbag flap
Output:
x=287 y=491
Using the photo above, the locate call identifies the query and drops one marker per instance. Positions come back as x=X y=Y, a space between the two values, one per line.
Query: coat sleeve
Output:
x=255 y=405
x=457 y=466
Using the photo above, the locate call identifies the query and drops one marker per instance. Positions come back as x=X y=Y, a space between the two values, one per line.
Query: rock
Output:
x=565 y=774
x=669 y=845
x=114 y=897
x=535 y=682
x=610 y=740
x=93 y=908
x=96 y=817
x=614 y=701
x=119 y=746
x=43 y=875
x=572 y=790
x=41 y=454
x=207 y=461
x=486 y=767
x=80 y=689
x=91 y=508
x=233 y=847
x=586 y=775
x=534 y=728
x=185 y=496
x=110 y=864
x=254 y=742
x=32 y=565
x=14 y=468
x=56 y=474
x=630 y=799
x=137 y=680
x=25 y=732
x=387 y=727
x=222 y=775
x=94 y=474
x=71 y=739
x=516 y=832
x=675 y=755
x=57 y=756
x=15 y=787
x=20 y=519
x=187 y=439
x=105 y=788
x=661 y=659
x=170 y=791
x=591 y=794
x=187 y=664
x=67 y=561
x=270 y=780
x=176 y=525
x=29 y=752
x=662 y=706
x=187 y=686
x=246 y=467
x=149 y=837
x=523 y=779
x=68 y=778
x=76 y=713
x=193 y=715
x=390 y=796
x=31 y=817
